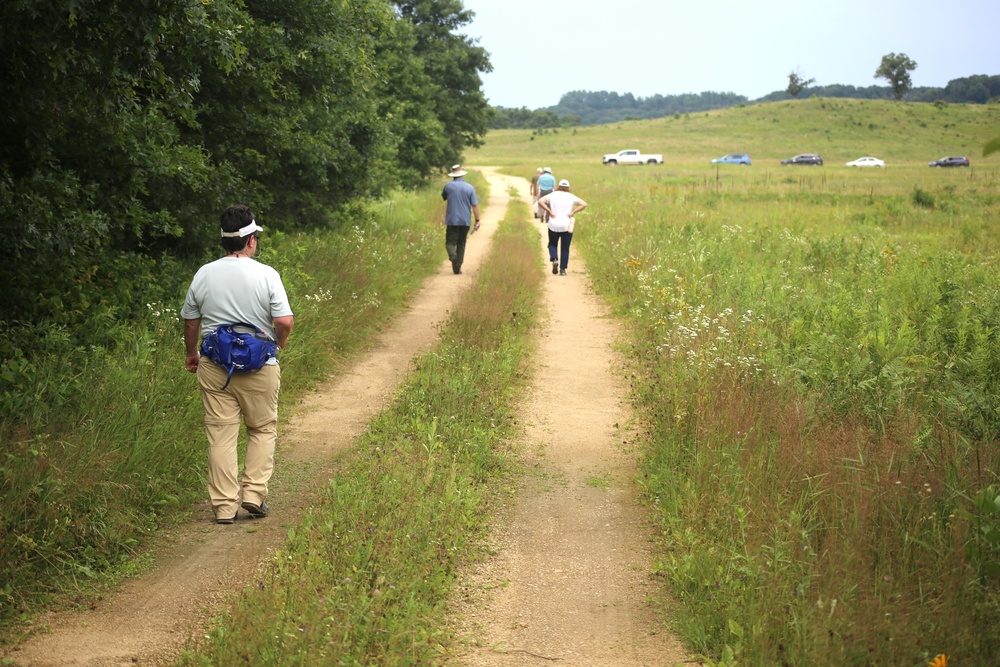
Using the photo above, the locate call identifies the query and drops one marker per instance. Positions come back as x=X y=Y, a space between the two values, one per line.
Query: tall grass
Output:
x=102 y=446
x=816 y=359
x=823 y=404
x=364 y=577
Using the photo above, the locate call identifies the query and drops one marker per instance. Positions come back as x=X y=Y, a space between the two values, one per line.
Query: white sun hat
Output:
x=244 y=231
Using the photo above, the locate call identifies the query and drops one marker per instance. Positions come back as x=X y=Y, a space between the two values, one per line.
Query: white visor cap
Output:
x=244 y=231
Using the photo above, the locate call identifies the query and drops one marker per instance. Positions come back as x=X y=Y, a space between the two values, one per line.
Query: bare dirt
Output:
x=569 y=580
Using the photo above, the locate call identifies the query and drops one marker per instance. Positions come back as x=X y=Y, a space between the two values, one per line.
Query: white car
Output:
x=632 y=156
x=866 y=162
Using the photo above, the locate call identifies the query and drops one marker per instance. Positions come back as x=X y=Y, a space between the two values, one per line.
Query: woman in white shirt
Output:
x=562 y=206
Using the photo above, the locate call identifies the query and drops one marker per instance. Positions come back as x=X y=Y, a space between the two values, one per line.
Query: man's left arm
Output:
x=283 y=329
x=475 y=211
x=580 y=205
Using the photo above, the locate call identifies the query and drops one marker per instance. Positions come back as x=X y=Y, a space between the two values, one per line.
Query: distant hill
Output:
x=904 y=135
x=581 y=107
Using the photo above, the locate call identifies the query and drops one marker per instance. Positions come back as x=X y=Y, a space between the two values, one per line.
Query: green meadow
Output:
x=812 y=352
x=815 y=359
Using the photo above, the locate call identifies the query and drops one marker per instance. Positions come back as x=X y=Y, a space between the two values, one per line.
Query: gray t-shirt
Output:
x=233 y=289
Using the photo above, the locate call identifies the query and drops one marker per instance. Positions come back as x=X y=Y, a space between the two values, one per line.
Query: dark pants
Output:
x=454 y=242
x=563 y=257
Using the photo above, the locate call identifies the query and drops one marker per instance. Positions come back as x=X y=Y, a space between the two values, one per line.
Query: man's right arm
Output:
x=544 y=203
x=192 y=330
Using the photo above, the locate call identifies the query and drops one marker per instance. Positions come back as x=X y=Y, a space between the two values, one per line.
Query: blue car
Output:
x=733 y=158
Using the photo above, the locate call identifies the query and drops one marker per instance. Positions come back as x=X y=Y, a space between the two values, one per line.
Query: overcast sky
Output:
x=541 y=50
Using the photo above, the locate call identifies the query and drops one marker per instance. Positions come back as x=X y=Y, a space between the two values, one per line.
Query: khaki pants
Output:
x=254 y=397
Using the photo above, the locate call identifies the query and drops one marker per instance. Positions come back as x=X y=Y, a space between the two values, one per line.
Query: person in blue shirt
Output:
x=462 y=202
x=546 y=184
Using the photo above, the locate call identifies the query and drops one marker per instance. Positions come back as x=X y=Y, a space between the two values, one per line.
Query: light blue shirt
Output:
x=461 y=197
x=546 y=182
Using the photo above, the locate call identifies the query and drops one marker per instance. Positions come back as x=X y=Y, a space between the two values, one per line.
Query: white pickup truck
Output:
x=632 y=156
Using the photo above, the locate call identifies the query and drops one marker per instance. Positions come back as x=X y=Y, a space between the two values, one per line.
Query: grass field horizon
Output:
x=905 y=135
x=815 y=356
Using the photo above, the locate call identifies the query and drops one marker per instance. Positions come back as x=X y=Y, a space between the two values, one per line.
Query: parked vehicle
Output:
x=632 y=156
x=805 y=158
x=733 y=158
x=866 y=162
x=950 y=161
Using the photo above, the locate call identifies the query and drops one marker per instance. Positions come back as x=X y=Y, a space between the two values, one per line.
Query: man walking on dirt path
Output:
x=561 y=206
x=462 y=202
x=231 y=290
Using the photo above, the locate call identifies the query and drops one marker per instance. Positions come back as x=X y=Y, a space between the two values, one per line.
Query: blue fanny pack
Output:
x=239 y=348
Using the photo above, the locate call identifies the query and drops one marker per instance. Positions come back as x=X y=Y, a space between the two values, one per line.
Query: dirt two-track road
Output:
x=569 y=580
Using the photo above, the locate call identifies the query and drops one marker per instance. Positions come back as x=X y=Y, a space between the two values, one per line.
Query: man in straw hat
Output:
x=462 y=202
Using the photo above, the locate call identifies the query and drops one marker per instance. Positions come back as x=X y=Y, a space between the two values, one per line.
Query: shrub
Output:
x=922 y=198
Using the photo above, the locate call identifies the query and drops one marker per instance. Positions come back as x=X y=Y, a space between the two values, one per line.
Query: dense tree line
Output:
x=977 y=89
x=503 y=118
x=126 y=126
x=593 y=108
x=606 y=107
x=873 y=92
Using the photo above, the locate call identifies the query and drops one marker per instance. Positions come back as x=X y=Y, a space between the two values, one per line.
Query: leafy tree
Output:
x=417 y=139
x=95 y=175
x=299 y=115
x=896 y=70
x=126 y=126
x=796 y=84
x=453 y=63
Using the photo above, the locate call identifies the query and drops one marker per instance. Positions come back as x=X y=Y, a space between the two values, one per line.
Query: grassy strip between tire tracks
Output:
x=364 y=577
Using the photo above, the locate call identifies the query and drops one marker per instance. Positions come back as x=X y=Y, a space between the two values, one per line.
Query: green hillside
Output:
x=903 y=134
x=815 y=366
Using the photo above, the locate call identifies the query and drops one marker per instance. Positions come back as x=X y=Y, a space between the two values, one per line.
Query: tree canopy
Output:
x=896 y=68
x=125 y=127
x=797 y=83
